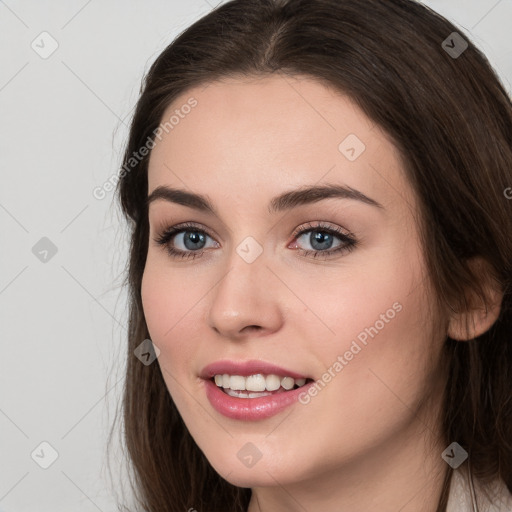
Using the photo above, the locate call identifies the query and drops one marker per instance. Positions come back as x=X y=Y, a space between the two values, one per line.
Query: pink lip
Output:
x=251 y=409
x=245 y=368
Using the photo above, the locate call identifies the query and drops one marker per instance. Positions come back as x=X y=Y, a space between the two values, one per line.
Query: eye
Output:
x=321 y=238
x=193 y=239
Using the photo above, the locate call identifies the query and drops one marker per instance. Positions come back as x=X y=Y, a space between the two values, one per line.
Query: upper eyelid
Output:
x=299 y=230
x=329 y=206
x=321 y=224
x=161 y=226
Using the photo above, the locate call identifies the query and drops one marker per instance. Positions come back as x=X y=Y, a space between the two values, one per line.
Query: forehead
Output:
x=264 y=134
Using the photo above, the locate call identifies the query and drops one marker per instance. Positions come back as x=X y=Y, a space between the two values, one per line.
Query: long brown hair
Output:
x=451 y=120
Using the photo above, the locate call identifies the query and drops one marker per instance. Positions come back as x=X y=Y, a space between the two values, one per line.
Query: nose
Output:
x=246 y=301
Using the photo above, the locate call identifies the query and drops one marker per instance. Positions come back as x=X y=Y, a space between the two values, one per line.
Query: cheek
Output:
x=340 y=308
x=165 y=303
x=155 y=301
x=379 y=326
x=171 y=307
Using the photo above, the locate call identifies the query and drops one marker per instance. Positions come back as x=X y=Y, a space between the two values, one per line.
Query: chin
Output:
x=261 y=474
x=251 y=477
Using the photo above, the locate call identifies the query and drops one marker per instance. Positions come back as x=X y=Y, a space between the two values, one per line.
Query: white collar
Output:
x=464 y=492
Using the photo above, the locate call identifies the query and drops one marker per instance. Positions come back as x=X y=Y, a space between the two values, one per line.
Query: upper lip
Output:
x=245 y=368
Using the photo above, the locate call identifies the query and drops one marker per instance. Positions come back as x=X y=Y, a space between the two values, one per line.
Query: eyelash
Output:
x=350 y=243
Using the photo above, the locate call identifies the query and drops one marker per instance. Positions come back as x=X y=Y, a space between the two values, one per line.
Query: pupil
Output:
x=321 y=239
x=194 y=237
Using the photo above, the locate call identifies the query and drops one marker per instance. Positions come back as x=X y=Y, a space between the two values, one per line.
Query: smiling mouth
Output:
x=258 y=385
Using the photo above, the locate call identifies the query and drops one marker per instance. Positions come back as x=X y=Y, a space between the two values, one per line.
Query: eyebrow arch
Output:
x=285 y=201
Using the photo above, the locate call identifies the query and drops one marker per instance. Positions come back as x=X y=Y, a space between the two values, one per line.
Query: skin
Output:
x=370 y=439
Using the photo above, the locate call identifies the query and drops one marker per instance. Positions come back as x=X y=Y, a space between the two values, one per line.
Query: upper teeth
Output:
x=257 y=382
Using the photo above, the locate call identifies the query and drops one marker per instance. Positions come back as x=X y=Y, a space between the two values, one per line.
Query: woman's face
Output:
x=352 y=318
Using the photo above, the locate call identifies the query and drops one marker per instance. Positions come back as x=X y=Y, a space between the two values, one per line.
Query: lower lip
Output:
x=251 y=409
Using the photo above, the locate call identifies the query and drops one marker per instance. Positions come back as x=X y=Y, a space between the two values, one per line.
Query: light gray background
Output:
x=63 y=123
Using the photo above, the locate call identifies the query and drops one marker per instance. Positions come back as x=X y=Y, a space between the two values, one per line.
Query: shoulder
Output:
x=463 y=493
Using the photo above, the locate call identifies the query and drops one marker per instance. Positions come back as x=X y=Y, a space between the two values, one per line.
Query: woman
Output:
x=321 y=257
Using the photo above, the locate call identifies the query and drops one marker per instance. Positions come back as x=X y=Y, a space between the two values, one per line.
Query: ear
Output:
x=480 y=316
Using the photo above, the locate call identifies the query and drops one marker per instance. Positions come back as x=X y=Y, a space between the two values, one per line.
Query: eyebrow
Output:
x=285 y=201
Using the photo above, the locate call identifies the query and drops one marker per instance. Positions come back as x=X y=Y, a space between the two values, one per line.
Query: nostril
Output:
x=252 y=328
